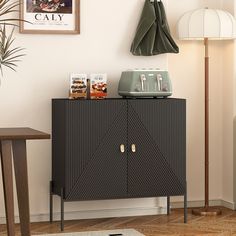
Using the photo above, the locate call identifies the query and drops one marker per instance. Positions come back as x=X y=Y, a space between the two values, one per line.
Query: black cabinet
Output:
x=118 y=148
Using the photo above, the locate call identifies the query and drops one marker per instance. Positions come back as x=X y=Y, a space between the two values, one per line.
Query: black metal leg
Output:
x=168 y=205
x=185 y=207
x=62 y=209
x=51 y=203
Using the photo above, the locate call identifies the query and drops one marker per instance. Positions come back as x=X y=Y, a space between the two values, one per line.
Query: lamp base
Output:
x=206 y=211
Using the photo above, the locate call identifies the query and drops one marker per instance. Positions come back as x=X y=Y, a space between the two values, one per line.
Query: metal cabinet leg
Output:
x=168 y=205
x=185 y=207
x=62 y=209
x=51 y=203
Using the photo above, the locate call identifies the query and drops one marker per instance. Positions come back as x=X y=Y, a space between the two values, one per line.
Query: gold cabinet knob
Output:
x=122 y=148
x=133 y=148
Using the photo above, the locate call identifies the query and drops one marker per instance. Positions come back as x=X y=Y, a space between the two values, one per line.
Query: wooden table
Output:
x=13 y=144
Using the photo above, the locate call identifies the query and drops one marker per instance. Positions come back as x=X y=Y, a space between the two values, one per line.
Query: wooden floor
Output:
x=148 y=225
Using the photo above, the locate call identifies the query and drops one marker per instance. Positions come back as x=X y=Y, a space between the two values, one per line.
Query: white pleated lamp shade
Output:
x=207 y=23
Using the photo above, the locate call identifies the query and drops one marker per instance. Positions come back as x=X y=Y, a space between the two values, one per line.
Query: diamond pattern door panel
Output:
x=96 y=169
x=157 y=128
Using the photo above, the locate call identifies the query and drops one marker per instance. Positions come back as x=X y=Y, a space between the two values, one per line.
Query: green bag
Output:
x=153 y=34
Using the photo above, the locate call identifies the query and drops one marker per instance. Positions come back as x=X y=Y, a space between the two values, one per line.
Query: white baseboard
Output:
x=91 y=214
x=230 y=205
x=122 y=212
x=215 y=202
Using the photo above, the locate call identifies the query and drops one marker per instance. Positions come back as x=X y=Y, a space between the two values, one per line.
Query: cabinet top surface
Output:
x=22 y=133
x=157 y=99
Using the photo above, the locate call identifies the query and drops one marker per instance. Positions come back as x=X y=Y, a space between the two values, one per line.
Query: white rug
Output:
x=117 y=232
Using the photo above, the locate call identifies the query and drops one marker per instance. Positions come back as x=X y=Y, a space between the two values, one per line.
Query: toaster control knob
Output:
x=138 y=88
x=165 y=87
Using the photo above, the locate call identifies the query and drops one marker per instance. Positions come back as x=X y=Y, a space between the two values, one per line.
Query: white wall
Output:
x=187 y=70
x=234 y=116
x=107 y=30
x=228 y=77
x=222 y=76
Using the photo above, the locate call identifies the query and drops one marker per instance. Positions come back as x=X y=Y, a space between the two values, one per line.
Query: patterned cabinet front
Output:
x=118 y=148
x=157 y=129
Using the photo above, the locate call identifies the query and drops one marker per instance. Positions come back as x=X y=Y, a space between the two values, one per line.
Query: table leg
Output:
x=21 y=175
x=6 y=160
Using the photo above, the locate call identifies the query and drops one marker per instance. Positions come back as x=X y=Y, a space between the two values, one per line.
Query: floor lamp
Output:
x=206 y=24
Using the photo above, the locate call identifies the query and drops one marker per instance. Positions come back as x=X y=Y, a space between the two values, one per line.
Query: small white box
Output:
x=78 y=85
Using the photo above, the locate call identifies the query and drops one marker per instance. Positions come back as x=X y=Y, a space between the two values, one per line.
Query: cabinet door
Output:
x=95 y=166
x=157 y=129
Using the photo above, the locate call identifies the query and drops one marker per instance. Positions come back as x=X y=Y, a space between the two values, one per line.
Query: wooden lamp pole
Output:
x=206 y=210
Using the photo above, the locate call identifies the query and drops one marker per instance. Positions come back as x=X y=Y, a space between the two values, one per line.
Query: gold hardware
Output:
x=133 y=148
x=122 y=148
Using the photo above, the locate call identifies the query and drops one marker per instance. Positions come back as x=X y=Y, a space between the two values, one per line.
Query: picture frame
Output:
x=50 y=16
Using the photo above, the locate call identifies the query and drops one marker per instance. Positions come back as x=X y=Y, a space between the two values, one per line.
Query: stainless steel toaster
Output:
x=145 y=83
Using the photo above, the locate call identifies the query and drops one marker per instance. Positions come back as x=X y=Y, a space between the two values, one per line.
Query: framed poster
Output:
x=50 y=16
